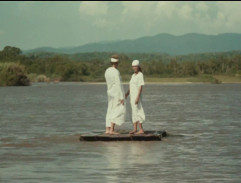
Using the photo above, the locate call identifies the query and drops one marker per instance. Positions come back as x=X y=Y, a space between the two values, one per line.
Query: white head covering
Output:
x=135 y=63
x=114 y=60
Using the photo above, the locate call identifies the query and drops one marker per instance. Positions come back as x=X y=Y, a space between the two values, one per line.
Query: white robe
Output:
x=136 y=81
x=115 y=92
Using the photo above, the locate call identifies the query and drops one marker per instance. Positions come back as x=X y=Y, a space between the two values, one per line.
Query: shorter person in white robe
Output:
x=116 y=108
x=135 y=89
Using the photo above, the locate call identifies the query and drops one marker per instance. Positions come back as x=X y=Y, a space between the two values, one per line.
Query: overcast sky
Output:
x=59 y=24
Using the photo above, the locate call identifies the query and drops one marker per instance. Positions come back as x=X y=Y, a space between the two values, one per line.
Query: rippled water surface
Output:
x=41 y=124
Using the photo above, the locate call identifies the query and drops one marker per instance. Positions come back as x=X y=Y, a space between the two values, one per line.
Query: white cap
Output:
x=135 y=63
x=114 y=60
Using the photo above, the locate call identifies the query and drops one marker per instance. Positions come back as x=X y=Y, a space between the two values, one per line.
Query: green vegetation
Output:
x=13 y=74
x=45 y=67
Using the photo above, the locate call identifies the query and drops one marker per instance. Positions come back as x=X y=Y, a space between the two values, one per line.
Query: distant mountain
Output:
x=161 y=43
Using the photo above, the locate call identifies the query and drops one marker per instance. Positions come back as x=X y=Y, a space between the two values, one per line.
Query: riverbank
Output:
x=156 y=79
x=216 y=79
x=212 y=79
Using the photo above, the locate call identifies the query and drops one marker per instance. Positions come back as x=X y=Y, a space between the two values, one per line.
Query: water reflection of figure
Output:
x=124 y=157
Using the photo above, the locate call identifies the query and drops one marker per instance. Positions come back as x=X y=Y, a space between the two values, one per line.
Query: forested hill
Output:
x=161 y=43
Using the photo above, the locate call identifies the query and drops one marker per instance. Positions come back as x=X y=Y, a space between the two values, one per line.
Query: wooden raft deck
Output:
x=124 y=136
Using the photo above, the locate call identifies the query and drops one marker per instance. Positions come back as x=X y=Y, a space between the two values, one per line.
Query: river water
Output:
x=40 y=126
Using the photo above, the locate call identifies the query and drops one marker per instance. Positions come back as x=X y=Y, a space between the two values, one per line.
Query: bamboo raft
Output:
x=124 y=136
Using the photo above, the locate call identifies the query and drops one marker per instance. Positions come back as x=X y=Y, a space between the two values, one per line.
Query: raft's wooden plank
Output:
x=124 y=136
x=146 y=137
x=119 y=137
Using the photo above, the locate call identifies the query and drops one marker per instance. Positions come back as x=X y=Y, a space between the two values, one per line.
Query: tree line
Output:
x=91 y=66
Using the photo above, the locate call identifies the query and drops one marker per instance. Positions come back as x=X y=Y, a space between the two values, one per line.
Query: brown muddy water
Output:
x=41 y=124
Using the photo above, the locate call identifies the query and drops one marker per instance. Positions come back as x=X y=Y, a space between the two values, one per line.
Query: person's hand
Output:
x=126 y=95
x=122 y=101
x=137 y=100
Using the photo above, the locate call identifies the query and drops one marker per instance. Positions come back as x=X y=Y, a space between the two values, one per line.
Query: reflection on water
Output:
x=40 y=127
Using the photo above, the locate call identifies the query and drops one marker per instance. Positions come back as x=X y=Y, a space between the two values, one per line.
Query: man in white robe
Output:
x=116 y=108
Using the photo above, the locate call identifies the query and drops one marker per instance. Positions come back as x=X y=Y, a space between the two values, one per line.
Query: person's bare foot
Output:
x=107 y=130
x=113 y=133
x=132 y=132
x=140 y=132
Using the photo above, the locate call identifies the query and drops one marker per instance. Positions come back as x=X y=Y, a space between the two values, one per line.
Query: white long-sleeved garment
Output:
x=138 y=113
x=115 y=92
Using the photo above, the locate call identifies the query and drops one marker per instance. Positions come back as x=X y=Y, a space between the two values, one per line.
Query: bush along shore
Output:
x=17 y=69
x=13 y=74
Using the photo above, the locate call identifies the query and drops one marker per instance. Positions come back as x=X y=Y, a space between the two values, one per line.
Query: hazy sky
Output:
x=59 y=24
